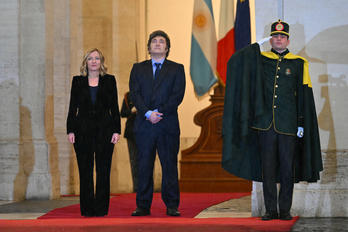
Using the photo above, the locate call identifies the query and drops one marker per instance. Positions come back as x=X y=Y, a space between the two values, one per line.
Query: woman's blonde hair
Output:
x=84 y=69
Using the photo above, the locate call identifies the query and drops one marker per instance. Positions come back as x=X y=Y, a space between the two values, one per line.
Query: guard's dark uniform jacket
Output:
x=283 y=83
x=254 y=100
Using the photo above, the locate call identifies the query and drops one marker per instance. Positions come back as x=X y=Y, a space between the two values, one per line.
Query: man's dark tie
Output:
x=158 y=67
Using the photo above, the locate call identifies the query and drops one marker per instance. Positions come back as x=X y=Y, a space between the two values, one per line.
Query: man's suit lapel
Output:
x=149 y=72
x=163 y=72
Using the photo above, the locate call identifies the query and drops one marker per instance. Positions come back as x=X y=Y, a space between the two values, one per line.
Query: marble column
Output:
x=29 y=150
x=9 y=99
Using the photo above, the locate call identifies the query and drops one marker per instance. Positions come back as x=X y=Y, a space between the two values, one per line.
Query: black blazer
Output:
x=165 y=94
x=103 y=115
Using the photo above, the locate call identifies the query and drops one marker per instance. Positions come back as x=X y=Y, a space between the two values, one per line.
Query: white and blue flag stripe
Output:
x=203 y=48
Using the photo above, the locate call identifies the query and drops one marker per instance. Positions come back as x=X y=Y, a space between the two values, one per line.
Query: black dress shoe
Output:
x=270 y=216
x=141 y=212
x=285 y=215
x=100 y=215
x=173 y=211
x=89 y=215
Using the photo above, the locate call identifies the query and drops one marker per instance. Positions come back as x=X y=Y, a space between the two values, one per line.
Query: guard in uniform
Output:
x=269 y=108
x=282 y=120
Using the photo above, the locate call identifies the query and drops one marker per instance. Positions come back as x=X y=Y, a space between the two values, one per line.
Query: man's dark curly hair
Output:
x=159 y=33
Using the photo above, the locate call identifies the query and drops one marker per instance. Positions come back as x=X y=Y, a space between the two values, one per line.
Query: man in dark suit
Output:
x=157 y=88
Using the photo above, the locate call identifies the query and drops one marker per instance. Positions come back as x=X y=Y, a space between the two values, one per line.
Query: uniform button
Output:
x=276 y=86
x=277 y=76
x=275 y=96
x=278 y=68
x=275 y=106
x=280 y=60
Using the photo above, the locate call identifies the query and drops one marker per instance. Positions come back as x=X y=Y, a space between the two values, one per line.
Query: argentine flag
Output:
x=203 y=48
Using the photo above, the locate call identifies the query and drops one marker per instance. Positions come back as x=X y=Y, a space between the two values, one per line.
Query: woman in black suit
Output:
x=93 y=126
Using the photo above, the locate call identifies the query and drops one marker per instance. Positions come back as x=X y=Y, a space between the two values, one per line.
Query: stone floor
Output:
x=233 y=208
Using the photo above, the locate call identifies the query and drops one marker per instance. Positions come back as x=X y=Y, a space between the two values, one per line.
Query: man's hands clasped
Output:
x=155 y=117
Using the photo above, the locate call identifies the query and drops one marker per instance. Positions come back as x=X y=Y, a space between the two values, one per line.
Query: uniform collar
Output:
x=286 y=51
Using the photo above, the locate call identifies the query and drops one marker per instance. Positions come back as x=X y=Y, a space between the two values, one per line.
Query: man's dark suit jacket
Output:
x=164 y=94
x=103 y=114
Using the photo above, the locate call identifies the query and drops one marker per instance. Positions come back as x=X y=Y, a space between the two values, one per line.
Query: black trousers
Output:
x=277 y=153
x=167 y=147
x=89 y=149
x=133 y=159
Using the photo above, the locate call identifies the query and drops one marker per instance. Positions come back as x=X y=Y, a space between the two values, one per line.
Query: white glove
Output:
x=300 y=132
x=260 y=42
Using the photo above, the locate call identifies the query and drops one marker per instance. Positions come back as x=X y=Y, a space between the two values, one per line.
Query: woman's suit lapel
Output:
x=87 y=93
x=85 y=89
x=101 y=88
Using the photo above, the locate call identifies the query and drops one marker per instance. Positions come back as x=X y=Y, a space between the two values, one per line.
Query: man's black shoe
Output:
x=141 y=212
x=285 y=215
x=89 y=215
x=173 y=211
x=270 y=216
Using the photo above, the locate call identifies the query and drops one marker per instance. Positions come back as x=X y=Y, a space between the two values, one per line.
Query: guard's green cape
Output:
x=244 y=101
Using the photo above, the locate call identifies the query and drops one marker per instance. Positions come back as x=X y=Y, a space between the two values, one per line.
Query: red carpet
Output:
x=119 y=219
x=121 y=206
x=147 y=225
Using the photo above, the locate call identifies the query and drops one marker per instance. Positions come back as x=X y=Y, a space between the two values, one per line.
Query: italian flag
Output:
x=226 y=44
